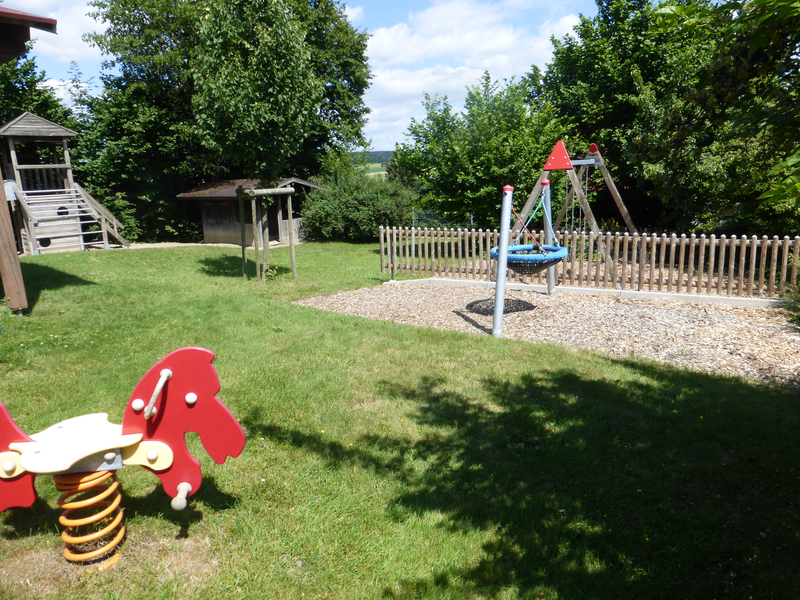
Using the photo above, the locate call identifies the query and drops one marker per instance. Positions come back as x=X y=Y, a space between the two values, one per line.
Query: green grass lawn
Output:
x=390 y=461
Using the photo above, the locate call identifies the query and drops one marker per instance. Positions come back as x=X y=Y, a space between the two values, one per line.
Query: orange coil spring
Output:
x=97 y=537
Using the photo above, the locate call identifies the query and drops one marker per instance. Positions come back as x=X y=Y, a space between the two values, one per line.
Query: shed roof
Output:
x=227 y=189
x=33 y=126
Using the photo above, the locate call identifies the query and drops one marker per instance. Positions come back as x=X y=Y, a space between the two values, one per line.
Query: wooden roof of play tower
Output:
x=28 y=125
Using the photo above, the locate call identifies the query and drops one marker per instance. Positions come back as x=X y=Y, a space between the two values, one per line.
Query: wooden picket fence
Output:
x=731 y=266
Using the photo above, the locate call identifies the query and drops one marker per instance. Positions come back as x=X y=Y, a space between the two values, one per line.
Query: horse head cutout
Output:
x=176 y=396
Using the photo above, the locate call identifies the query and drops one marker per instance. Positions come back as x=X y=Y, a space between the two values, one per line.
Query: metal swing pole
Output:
x=502 y=263
x=548 y=237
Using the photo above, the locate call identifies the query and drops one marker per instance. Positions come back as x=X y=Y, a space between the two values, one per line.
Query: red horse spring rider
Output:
x=83 y=454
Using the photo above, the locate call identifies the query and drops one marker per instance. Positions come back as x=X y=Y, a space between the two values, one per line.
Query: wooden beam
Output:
x=10 y=271
x=263 y=236
x=256 y=224
x=617 y=198
x=284 y=191
x=240 y=195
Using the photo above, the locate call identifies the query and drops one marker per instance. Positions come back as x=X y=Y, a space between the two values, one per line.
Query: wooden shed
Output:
x=220 y=211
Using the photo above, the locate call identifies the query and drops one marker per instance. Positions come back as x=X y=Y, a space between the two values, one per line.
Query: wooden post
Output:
x=380 y=239
x=263 y=211
x=690 y=266
x=731 y=264
x=784 y=263
x=280 y=218
x=723 y=244
x=752 y=276
x=701 y=263
x=240 y=195
x=673 y=241
x=255 y=236
x=10 y=270
x=773 y=264
x=291 y=236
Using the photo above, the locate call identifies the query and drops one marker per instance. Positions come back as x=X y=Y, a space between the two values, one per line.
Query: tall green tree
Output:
x=22 y=89
x=645 y=95
x=255 y=91
x=338 y=60
x=463 y=159
x=755 y=76
x=138 y=149
x=146 y=141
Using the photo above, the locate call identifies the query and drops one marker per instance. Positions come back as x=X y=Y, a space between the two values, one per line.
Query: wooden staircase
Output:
x=63 y=219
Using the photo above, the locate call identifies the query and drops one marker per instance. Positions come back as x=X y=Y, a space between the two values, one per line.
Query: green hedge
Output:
x=354 y=206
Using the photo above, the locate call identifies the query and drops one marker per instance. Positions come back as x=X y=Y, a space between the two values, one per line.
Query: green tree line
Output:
x=195 y=91
x=694 y=107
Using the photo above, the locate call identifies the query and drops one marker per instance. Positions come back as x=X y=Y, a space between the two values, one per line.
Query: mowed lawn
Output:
x=390 y=461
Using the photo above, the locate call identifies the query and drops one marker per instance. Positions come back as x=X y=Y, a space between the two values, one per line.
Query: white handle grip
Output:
x=149 y=411
x=179 y=501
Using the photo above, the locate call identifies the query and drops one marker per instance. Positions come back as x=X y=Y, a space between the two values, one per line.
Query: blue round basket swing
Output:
x=529 y=259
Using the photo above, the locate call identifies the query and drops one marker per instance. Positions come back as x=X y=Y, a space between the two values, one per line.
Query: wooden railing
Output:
x=759 y=267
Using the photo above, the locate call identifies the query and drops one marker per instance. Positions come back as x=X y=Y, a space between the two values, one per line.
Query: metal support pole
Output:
x=502 y=263
x=548 y=237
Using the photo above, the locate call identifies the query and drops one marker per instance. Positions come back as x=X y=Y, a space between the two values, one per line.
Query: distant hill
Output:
x=378 y=156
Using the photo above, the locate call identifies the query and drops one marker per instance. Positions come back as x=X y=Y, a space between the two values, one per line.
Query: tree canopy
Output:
x=696 y=120
x=255 y=90
x=22 y=89
x=463 y=159
x=219 y=88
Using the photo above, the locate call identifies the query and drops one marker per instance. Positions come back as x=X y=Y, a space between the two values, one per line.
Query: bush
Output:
x=353 y=206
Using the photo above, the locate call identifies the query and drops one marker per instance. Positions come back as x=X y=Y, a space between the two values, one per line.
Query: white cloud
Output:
x=447 y=47
x=354 y=13
x=63 y=89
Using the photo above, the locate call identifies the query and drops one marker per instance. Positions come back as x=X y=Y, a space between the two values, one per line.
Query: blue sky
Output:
x=416 y=46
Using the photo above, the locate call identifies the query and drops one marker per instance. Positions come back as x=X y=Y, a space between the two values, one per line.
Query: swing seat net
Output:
x=529 y=259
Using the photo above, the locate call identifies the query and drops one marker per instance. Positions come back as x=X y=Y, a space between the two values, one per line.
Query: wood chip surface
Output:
x=756 y=343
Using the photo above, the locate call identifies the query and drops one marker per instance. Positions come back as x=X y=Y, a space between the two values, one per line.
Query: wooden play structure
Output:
x=50 y=211
x=83 y=454
x=15 y=32
x=559 y=160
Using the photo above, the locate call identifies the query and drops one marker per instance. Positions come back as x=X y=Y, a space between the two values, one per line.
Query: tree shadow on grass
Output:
x=659 y=484
x=231 y=266
x=39 y=278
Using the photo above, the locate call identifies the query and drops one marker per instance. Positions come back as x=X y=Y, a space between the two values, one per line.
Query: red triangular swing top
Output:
x=559 y=159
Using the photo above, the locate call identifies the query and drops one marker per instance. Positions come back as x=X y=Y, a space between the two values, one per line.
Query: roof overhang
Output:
x=23 y=19
x=15 y=31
